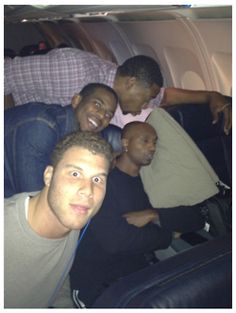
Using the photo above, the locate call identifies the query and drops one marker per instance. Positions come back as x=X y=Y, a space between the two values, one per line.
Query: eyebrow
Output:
x=100 y=100
x=82 y=170
x=145 y=136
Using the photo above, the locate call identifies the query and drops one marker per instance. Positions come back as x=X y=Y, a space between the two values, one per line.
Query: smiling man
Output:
x=42 y=228
x=32 y=130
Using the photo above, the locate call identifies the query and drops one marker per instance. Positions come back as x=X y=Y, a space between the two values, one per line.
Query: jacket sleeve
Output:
x=29 y=152
x=115 y=235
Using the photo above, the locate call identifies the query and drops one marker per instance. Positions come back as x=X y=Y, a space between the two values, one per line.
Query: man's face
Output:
x=94 y=112
x=77 y=187
x=136 y=97
x=141 y=145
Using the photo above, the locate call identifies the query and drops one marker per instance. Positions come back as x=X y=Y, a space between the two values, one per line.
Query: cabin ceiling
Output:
x=15 y=13
x=18 y=13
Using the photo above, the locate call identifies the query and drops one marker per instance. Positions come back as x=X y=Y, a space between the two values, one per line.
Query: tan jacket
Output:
x=179 y=173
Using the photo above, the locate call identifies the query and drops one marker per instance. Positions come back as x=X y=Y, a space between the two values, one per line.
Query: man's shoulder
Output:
x=33 y=118
x=17 y=200
x=117 y=178
x=35 y=109
x=70 y=53
x=115 y=172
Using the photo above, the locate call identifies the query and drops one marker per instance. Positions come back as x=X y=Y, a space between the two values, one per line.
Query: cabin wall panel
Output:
x=114 y=38
x=216 y=38
x=175 y=48
x=188 y=51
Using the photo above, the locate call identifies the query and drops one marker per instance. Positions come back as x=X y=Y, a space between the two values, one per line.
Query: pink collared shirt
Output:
x=55 y=77
x=121 y=119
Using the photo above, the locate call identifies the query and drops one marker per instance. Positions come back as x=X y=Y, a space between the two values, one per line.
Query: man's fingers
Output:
x=227 y=120
x=215 y=116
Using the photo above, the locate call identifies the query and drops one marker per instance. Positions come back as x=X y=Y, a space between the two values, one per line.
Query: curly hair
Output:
x=88 y=140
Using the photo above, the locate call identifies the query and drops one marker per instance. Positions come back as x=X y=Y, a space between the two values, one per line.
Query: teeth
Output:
x=93 y=122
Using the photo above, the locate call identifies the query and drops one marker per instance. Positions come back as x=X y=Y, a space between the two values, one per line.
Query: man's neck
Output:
x=126 y=166
x=42 y=220
x=117 y=85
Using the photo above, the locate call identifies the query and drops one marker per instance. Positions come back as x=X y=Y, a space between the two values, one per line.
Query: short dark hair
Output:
x=88 y=140
x=131 y=125
x=144 y=68
x=90 y=89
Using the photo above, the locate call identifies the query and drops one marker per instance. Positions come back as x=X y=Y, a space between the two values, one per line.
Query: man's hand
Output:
x=8 y=102
x=218 y=104
x=141 y=218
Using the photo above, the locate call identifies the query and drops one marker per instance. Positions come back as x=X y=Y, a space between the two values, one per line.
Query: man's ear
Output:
x=125 y=143
x=130 y=81
x=76 y=100
x=47 y=176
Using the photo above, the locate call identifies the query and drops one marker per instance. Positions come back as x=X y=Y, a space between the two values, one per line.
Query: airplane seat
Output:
x=216 y=146
x=197 y=278
x=112 y=134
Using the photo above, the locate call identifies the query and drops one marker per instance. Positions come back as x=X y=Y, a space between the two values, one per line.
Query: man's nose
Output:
x=136 y=113
x=101 y=112
x=85 y=188
x=145 y=105
x=152 y=146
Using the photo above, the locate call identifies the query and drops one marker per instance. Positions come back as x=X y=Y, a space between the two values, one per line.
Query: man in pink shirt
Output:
x=56 y=76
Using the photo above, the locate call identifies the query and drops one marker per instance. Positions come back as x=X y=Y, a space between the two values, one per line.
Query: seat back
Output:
x=200 y=277
x=112 y=134
x=216 y=146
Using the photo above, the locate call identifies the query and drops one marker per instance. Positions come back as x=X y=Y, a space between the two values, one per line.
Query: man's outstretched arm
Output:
x=218 y=103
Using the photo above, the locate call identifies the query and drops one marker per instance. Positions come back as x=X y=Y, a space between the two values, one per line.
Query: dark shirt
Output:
x=112 y=248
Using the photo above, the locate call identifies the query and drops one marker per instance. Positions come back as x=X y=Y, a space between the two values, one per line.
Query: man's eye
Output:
x=97 y=180
x=75 y=174
x=109 y=115
x=97 y=104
